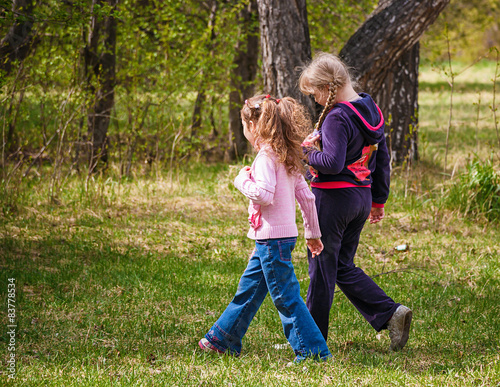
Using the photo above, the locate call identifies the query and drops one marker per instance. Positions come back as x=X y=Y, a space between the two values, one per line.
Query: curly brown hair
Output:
x=281 y=124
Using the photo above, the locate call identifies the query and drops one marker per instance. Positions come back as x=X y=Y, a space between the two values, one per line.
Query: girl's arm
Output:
x=258 y=184
x=334 y=142
x=307 y=205
x=381 y=176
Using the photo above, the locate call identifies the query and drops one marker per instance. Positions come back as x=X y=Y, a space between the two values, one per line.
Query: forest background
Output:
x=112 y=271
x=168 y=98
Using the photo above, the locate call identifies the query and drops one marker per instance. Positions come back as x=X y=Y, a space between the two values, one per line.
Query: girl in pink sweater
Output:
x=275 y=128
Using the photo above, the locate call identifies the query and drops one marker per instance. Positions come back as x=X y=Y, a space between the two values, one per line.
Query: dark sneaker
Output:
x=399 y=327
x=207 y=346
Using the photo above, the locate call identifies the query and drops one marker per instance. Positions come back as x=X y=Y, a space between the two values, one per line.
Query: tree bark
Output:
x=242 y=86
x=16 y=45
x=100 y=62
x=398 y=99
x=384 y=54
x=286 y=48
x=200 y=98
x=18 y=42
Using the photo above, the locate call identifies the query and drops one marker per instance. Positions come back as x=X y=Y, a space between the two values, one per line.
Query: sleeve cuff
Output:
x=312 y=234
x=239 y=180
x=377 y=205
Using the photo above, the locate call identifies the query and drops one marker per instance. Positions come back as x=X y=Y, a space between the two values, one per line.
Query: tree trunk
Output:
x=18 y=42
x=285 y=44
x=200 y=98
x=100 y=61
x=16 y=45
x=398 y=99
x=242 y=86
x=385 y=57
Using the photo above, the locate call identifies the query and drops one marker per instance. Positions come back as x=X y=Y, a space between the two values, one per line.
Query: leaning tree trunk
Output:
x=285 y=44
x=100 y=61
x=385 y=57
x=242 y=78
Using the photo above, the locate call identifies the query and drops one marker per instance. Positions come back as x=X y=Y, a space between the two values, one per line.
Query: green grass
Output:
x=472 y=130
x=117 y=280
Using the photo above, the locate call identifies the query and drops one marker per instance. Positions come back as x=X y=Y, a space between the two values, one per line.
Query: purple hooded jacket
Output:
x=354 y=151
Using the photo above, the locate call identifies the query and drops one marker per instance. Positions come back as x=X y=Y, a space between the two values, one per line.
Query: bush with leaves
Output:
x=477 y=192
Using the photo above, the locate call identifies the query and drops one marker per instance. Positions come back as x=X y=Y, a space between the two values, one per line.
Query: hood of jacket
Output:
x=368 y=117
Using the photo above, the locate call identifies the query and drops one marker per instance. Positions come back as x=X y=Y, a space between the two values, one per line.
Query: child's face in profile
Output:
x=321 y=95
x=247 y=131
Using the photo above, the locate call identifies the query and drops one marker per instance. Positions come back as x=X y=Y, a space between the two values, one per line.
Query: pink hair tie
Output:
x=278 y=101
x=268 y=96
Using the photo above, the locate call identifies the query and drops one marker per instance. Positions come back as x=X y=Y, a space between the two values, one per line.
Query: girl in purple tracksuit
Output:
x=350 y=175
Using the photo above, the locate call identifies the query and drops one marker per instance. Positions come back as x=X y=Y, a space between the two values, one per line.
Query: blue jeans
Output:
x=270 y=270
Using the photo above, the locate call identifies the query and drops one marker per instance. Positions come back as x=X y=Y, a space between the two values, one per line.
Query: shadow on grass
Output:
x=83 y=298
x=88 y=293
x=455 y=328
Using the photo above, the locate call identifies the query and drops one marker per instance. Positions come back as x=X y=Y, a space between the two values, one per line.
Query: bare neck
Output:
x=347 y=93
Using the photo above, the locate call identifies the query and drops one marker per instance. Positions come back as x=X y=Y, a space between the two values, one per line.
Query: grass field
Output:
x=116 y=280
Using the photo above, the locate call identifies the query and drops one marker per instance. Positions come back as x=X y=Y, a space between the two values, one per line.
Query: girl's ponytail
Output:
x=281 y=124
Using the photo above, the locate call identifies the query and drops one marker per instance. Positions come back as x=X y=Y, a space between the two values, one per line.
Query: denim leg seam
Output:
x=213 y=338
x=226 y=339
x=237 y=323
x=229 y=337
x=299 y=336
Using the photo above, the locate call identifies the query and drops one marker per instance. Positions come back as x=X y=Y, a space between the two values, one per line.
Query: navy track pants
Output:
x=342 y=214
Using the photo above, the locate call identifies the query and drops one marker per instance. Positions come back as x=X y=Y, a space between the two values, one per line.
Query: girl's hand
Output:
x=312 y=140
x=315 y=245
x=376 y=215
x=247 y=171
x=311 y=143
x=313 y=172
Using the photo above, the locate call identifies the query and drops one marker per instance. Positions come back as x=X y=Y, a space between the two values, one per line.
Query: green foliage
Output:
x=472 y=27
x=166 y=53
x=331 y=23
x=477 y=191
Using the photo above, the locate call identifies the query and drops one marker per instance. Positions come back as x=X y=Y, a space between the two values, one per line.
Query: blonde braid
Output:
x=332 y=94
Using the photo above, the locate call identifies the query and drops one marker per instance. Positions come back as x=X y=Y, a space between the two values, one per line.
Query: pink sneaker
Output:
x=207 y=346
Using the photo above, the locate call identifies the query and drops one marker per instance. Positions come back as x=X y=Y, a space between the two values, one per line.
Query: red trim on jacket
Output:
x=362 y=118
x=337 y=184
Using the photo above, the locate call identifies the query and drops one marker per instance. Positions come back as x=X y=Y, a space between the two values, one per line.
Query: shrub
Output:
x=477 y=192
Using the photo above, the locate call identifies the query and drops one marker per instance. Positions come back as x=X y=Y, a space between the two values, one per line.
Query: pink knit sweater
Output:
x=272 y=193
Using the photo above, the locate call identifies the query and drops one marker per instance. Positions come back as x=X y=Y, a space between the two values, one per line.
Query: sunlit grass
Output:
x=472 y=127
x=120 y=292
